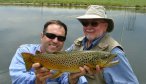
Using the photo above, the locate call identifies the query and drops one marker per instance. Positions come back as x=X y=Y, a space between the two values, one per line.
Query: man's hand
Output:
x=73 y=77
x=42 y=73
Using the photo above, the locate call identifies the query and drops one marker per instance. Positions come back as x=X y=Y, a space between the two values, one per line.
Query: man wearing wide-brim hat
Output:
x=96 y=26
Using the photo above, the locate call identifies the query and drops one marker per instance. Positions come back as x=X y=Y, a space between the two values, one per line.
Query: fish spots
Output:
x=71 y=61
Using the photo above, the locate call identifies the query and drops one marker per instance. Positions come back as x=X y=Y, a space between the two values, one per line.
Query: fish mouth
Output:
x=113 y=62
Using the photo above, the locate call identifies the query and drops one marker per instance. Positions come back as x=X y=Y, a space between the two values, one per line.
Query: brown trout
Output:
x=70 y=61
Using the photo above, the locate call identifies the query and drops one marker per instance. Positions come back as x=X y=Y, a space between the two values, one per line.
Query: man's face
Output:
x=51 y=43
x=94 y=28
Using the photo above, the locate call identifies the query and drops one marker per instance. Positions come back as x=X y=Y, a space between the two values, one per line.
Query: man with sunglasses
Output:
x=52 y=40
x=96 y=27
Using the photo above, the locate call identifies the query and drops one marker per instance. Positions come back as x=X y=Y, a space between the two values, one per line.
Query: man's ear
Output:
x=42 y=35
x=106 y=26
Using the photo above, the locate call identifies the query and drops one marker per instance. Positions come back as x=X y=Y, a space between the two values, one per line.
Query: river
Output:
x=23 y=25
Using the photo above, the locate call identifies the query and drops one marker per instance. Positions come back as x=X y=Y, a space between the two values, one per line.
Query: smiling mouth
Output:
x=52 y=45
x=89 y=31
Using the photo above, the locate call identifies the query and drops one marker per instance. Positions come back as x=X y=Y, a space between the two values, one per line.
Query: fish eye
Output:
x=105 y=57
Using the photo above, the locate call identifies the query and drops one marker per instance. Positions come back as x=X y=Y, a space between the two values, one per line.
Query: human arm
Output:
x=18 y=73
x=17 y=70
x=121 y=73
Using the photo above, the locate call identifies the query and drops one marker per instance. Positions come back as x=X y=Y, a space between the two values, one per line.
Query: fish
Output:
x=70 y=61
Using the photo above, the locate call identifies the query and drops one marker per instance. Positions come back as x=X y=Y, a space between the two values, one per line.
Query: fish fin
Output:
x=56 y=75
x=27 y=57
x=112 y=63
x=89 y=76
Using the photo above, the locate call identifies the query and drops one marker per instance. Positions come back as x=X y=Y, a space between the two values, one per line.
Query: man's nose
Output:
x=55 y=39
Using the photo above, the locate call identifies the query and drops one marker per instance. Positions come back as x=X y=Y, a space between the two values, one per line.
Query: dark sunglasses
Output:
x=92 y=23
x=53 y=36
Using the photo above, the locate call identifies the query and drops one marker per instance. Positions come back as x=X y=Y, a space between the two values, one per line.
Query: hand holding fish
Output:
x=85 y=70
x=42 y=73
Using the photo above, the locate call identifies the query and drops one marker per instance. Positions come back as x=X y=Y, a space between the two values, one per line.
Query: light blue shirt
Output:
x=121 y=73
x=18 y=72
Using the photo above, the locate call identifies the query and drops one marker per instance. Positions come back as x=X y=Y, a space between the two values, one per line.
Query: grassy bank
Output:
x=125 y=3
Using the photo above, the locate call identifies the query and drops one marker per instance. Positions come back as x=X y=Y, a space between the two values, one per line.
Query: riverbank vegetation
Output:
x=119 y=3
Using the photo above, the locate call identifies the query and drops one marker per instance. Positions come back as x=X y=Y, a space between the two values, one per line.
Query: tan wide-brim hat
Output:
x=97 y=12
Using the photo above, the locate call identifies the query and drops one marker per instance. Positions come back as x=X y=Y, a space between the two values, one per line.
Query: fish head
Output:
x=105 y=58
x=108 y=57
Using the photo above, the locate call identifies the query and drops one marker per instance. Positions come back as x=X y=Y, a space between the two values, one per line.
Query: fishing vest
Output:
x=107 y=43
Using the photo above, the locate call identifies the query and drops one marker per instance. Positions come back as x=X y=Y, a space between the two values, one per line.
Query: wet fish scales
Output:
x=70 y=61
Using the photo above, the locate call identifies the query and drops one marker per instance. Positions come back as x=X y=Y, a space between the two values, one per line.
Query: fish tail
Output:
x=27 y=57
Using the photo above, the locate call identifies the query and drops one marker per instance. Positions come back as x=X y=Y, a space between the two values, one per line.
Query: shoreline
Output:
x=69 y=5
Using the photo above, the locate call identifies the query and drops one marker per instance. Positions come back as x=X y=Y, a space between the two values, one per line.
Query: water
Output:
x=22 y=25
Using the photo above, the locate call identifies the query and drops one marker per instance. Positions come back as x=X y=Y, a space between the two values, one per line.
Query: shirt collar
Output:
x=93 y=43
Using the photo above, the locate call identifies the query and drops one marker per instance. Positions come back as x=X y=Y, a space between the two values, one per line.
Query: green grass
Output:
x=127 y=3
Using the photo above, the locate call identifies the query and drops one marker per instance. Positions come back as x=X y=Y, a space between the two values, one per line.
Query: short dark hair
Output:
x=58 y=22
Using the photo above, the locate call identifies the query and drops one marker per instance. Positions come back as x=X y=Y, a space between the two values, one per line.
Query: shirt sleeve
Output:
x=70 y=48
x=17 y=70
x=64 y=79
x=121 y=73
x=82 y=80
